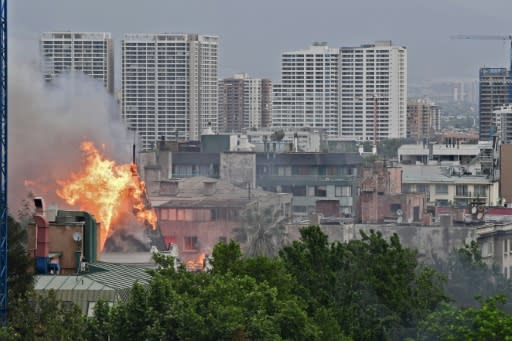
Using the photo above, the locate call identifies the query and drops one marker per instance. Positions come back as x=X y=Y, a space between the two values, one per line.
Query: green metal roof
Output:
x=104 y=281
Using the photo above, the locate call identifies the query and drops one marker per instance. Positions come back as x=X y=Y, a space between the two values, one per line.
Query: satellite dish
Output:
x=399 y=212
x=473 y=210
x=77 y=236
x=400 y=219
x=480 y=215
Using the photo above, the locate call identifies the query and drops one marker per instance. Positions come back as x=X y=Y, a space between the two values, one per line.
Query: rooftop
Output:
x=438 y=174
x=192 y=194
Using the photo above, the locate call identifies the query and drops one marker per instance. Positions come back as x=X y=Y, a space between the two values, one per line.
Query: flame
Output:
x=196 y=264
x=107 y=190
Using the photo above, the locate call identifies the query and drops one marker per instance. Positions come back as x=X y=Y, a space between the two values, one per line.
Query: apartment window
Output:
x=406 y=188
x=422 y=188
x=343 y=191
x=505 y=246
x=299 y=191
x=190 y=243
x=320 y=191
x=223 y=240
x=441 y=189
x=480 y=190
x=461 y=190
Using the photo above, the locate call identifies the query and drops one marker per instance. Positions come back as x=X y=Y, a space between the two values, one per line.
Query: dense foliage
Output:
x=367 y=289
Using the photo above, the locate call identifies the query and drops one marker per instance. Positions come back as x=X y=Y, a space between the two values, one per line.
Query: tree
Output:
x=468 y=277
x=489 y=322
x=20 y=279
x=374 y=288
x=261 y=232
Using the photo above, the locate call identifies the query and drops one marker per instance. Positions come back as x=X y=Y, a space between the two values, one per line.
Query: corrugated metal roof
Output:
x=105 y=281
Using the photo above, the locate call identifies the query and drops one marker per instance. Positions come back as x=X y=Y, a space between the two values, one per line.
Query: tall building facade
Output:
x=244 y=103
x=308 y=93
x=373 y=91
x=169 y=85
x=423 y=118
x=503 y=118
x=89 y=52
x=494 y=86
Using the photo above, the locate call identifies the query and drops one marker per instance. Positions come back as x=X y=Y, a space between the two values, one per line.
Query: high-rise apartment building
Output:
x=308 y=93
x=89 y=52
x=373 y=91
x=169 y=85
x=244 y=103
x=504 y=123
x=423 y=118
x=493 y=94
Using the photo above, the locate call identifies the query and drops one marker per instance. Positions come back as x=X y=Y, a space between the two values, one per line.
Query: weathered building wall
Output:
x=60 y=239
x=430 y=241
x=505 y=171
x=238 y=168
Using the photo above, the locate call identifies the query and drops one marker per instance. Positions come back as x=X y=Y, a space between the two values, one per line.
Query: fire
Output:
x=196 y=264
x=107 y=190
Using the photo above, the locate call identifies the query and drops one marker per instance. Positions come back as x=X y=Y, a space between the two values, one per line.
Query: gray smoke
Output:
x=48 y=121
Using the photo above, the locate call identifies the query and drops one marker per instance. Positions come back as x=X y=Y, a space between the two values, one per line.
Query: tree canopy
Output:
x=314 y=289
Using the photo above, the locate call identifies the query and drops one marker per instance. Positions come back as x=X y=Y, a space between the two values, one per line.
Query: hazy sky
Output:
x=253 y=34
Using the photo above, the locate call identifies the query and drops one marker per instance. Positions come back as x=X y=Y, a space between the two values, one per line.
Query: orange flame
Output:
x=106 y=190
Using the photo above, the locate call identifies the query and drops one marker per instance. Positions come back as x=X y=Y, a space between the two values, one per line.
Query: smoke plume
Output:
x=47 y=122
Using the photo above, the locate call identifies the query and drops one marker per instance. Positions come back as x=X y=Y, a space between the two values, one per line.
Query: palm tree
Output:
x=262 y=232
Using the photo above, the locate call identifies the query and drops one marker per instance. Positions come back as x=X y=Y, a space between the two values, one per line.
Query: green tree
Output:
x=489 y=322
x=468 y=277
x=20 y=279
x=36 y=317
x=375 y=288
x=262 y=232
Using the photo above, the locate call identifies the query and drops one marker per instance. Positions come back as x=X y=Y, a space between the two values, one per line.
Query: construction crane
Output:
x=487 y=37
x=3 y=161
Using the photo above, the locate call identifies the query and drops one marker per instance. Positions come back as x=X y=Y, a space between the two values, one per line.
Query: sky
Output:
x=254 y=33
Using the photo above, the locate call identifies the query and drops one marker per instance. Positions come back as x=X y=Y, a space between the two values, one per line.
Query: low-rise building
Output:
x=495 y=241
x=325 y=183
x=196 y=213
x=381 y=198
x=452 y=151
x=449 y=185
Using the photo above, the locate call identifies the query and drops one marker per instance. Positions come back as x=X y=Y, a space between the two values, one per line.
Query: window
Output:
x=480 y=190
x=422 y=188
x=299 y=191
x=320 y=191
x=441 y=189
x=461 y=190
x=505 y=246
x=300 y=209
x=394 y=207
x=190 y=243
x=406 y=188
x=343 y=191
x=223 y=240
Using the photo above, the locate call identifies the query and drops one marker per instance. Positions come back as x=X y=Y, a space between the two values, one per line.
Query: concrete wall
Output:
x=429 y=241
x=238 y=168
x=506 y=169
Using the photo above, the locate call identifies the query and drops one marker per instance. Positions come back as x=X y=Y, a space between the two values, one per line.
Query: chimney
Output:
x=42 y=227
x=40 y=206
x=169 y=187
x=209 y=187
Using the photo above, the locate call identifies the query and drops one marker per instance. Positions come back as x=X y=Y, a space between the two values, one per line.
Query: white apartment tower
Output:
x=169 y=85
x=89 y=52
x=308 y=93
x=373 y=91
